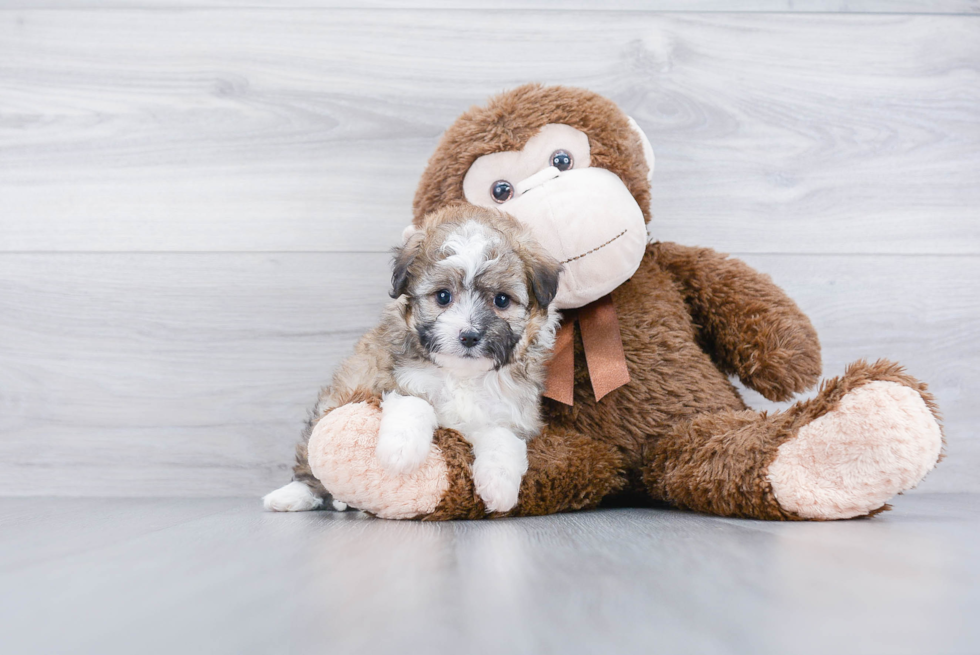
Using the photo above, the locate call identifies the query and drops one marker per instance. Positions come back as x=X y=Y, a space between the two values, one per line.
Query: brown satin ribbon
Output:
x=604 y=354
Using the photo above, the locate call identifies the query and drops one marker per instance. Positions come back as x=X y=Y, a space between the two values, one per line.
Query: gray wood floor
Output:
x=197 y=198
x=221 y=576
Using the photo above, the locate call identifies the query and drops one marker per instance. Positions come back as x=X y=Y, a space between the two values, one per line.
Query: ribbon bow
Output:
x=604 y=354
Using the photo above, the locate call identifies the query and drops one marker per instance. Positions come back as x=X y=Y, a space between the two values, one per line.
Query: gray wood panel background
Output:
x=727 y=6
x=196 y=204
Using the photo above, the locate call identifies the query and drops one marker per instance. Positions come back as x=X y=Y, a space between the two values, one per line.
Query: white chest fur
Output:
x=470 y=398
x=493 y=411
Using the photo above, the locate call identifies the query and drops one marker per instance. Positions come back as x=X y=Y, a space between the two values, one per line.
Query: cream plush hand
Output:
x=343 y=456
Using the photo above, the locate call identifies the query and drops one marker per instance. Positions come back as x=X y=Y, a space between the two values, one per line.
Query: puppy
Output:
x=464 y=345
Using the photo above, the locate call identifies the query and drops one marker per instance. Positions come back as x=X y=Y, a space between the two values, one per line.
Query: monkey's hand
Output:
x=748 y=325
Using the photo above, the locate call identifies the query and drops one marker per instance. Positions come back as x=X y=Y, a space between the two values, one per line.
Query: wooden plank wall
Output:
x=197 y=198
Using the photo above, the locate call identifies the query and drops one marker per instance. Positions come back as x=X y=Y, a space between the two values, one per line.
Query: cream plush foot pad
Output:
x=881 y=439
x=341 y=455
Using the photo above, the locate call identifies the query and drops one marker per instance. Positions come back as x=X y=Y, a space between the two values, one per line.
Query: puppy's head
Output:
x=475 y=287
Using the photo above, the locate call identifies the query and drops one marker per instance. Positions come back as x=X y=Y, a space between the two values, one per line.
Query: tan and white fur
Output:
x=463 y=345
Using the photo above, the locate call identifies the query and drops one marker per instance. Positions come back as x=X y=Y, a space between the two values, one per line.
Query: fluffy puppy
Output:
x=464 y=345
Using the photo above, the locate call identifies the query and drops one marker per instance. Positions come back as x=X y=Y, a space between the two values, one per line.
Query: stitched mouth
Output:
x=600 y=247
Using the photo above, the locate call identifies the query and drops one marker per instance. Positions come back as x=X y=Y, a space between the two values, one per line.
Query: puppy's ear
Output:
x=543 y=273
x=404 y=256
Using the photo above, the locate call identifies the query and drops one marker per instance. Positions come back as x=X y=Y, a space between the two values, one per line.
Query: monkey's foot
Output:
x=342 y=456
x=881 y=439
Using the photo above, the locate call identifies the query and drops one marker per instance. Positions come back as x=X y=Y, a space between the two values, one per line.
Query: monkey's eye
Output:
x=444 y=297
x=502 y=191
x=561 y=160
x=501 y=301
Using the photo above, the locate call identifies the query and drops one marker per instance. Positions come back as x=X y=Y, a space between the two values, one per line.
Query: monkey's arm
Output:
x=566 y=471
x=748 y=325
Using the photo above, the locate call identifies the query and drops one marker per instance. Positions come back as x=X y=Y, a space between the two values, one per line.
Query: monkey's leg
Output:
x=566 y=471
x=865 y=437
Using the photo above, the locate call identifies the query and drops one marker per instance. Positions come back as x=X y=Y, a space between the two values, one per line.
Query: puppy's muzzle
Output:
x=470 y=338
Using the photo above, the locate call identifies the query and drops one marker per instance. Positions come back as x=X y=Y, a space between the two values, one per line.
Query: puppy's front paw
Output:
x=496 y=487
x=405 y=435
x=497 y=477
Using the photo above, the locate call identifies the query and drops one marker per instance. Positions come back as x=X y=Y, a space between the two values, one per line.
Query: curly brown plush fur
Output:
x=508 y=120
x=678 y=431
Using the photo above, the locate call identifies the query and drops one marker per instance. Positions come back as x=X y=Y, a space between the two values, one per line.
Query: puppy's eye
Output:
x=444 y=297
x=502 y=191
x=501 y=301
x=561 y=160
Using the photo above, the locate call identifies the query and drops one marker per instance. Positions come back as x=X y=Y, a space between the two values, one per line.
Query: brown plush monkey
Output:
x=640 y=402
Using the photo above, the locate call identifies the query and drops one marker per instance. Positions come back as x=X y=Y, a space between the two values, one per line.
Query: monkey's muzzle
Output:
x=588 y=220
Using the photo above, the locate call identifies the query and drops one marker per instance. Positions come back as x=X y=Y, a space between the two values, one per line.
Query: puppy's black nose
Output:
x=469 y=338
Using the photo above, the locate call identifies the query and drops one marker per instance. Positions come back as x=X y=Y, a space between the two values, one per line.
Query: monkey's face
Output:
x=585 y=217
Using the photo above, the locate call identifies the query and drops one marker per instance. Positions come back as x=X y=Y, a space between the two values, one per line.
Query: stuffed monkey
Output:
x=639 y=404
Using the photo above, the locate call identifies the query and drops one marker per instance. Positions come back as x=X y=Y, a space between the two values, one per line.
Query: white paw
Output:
x=405 y=435
x=294 y=497
x=497 y=487
x=497 y=474
x=402 y=449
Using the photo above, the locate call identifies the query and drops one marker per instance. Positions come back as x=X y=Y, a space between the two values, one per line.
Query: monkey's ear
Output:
x=647 y=148
x=544 y=273
x=404 y=257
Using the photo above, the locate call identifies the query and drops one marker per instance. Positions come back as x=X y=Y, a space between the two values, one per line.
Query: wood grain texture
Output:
x=726 y=6
x=220 y=576
x=165 y=374
x=306 y=130
x=190 y=374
